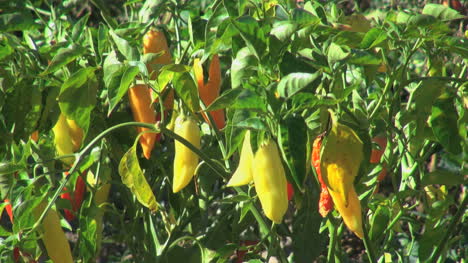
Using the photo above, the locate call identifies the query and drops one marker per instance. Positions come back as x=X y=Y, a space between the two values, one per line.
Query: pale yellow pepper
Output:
x=243 y=173
x=270 y=181
x=185 y=160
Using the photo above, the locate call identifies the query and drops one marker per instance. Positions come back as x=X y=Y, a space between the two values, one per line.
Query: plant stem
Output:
x=444 y=240
x=379 y=102
x=331 y=244
x=368 y=245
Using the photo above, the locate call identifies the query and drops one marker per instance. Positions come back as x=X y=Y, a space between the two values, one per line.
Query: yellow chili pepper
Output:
x=76 y=134
x=340 y=161
x=100 y=197
x=68 y=137
x=185 y=161
x=62 y=140
x=270 y=181
x=54 y=238
x=243 y=174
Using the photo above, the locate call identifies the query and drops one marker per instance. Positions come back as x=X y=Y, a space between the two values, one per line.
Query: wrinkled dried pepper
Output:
x=325 y=201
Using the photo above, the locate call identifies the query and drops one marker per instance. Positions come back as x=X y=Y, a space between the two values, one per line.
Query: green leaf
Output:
x=359 y=57
x=127 y=78
x=304 y=100
x=124 y=47
x=337 y=53
x=5 y=48
x=133 y=178
x=291 y=64
x=102 y=39
x=234 y=136
x=303 y=17
x=22 y=109
x=443 y=121
x=112 y=80
x=443 y=177
x=187 y=89
x=429 y=239
x=293 y=144
x=295 y=82
x=88 y=232
x=248 y=99
x=78 y=28
x=243 y=66
x=317 y=10
x=457 y=45
x=190 y=254
x=167 y=73
x=225 y=100
x=78 y=96
x=253 y=35
x=7 y=169
x=16 y=21
x=118 y=82
x=307 y=242
x=63 y=57
x=379 y=223
x=348 y=38
x=373 y=37
x=422 y=20
x=283 y=30
x=254 y=123
x=442 y=12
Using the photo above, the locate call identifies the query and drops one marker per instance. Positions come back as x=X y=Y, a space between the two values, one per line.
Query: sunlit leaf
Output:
x=134 y=179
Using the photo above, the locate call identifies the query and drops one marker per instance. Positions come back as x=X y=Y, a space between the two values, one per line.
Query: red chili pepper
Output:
x=80 y=189
x=290 y=191
x=241 y=253
x=76 y=199
x=9 y=210
x=376 y=155
x=16 y=254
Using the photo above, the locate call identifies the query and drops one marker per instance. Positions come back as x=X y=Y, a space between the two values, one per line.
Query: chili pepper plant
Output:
x=183 y=131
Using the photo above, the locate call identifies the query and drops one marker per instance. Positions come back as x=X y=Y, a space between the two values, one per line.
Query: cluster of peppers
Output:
x=142 y=98
x=336 y=163
x=68 y=137
x=340 y=159
x=266 y=171
x=335 y=170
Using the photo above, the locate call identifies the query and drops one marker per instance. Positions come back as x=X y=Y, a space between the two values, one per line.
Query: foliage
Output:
x=396 y=73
